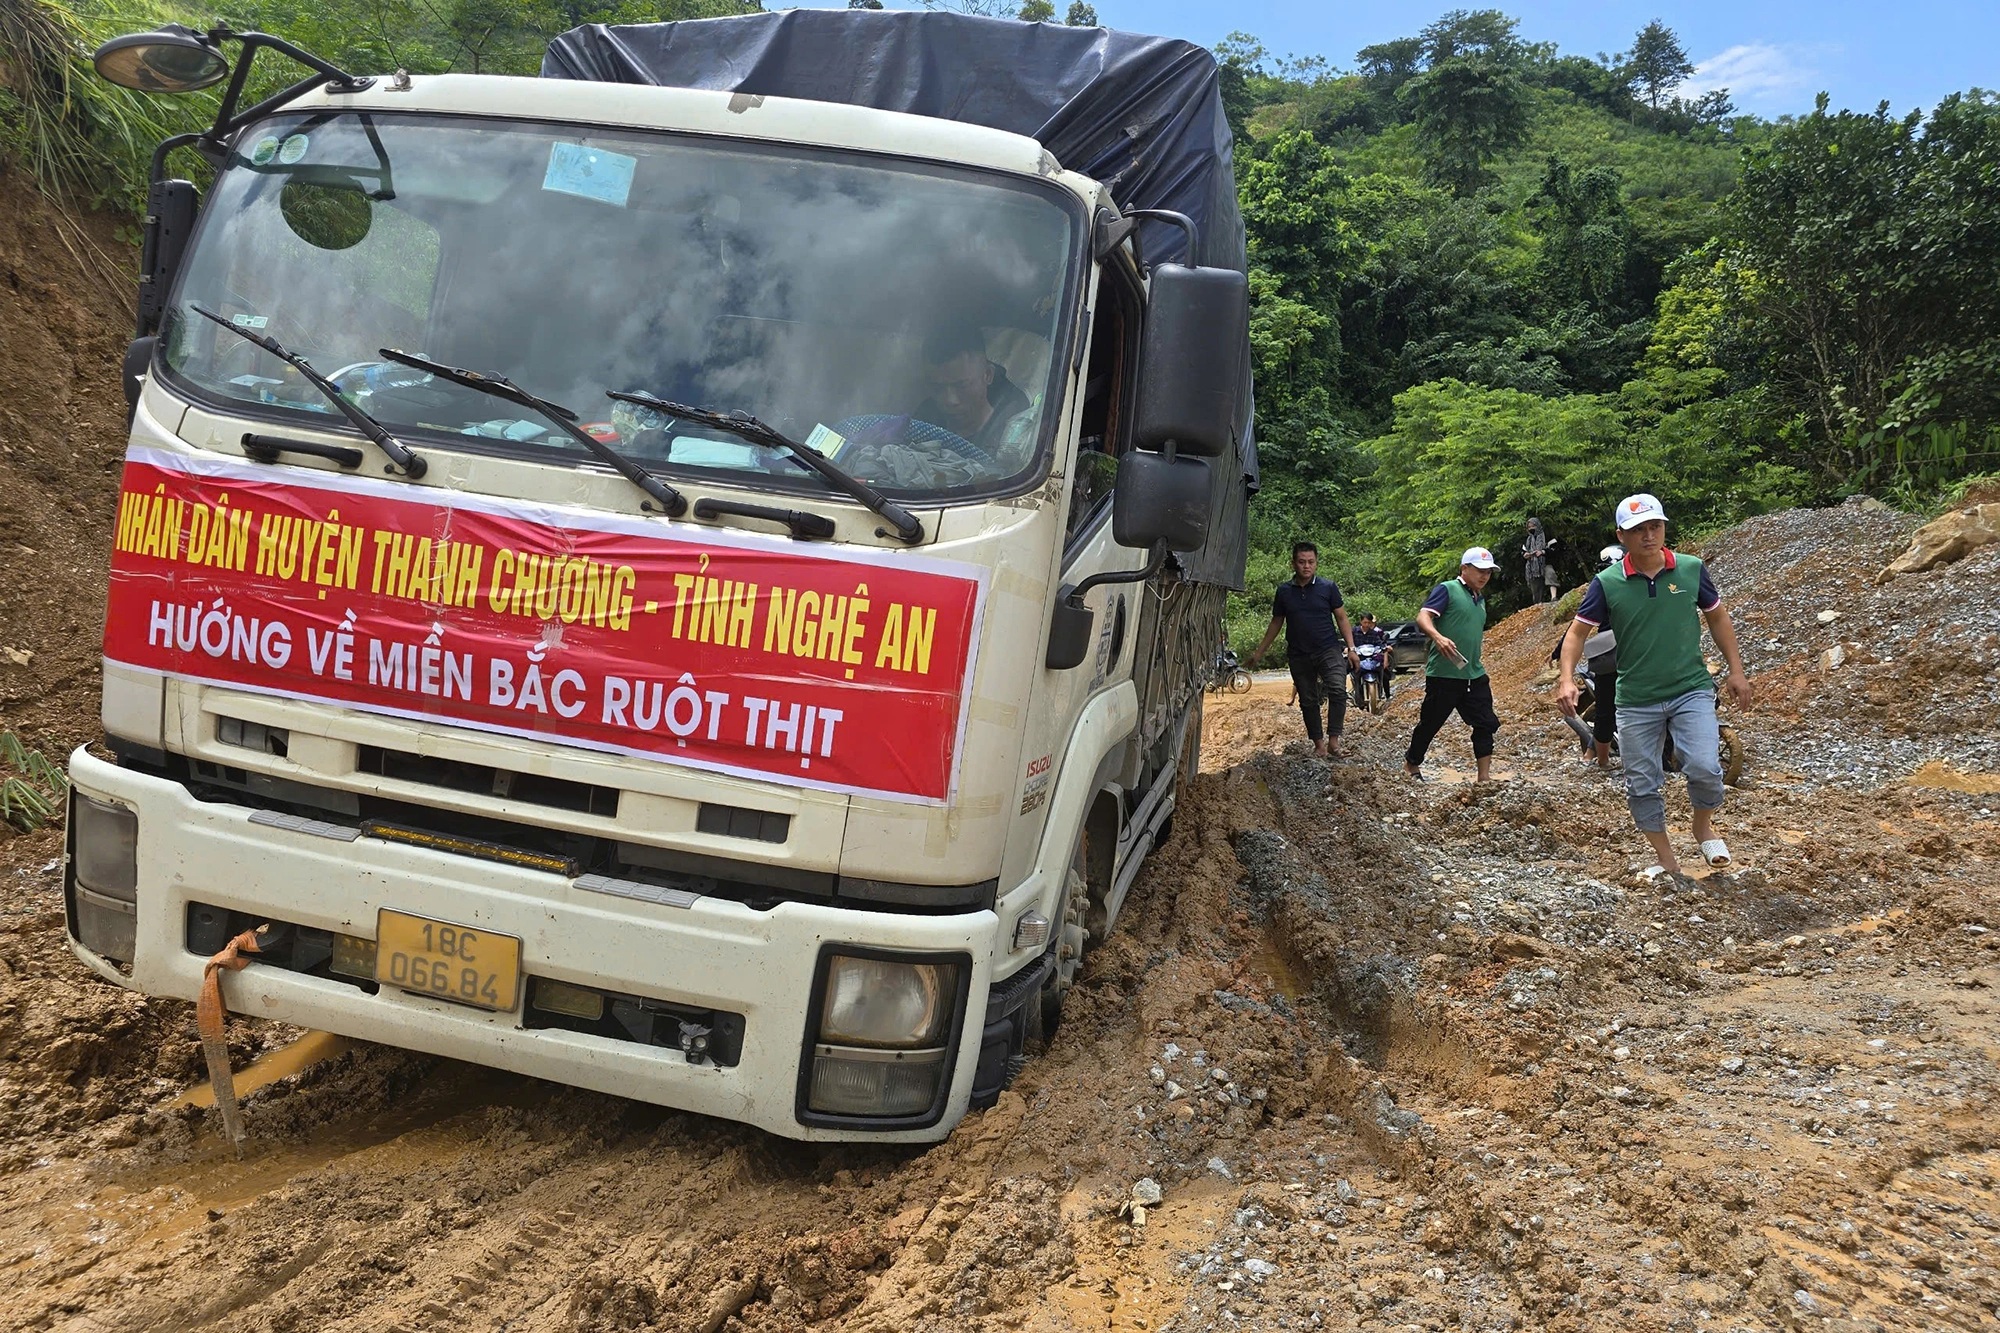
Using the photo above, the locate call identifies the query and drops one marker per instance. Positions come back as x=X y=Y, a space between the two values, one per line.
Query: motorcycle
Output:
x=1369 y=677
x=1227 y=673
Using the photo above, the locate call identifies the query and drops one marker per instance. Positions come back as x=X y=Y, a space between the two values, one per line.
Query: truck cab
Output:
x=558 y=712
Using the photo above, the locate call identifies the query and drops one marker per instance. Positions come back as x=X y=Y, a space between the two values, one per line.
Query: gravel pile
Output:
x=1869 y=681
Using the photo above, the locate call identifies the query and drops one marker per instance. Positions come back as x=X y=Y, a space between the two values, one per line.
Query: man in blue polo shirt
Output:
x=1315 y=622
x=1655 y=601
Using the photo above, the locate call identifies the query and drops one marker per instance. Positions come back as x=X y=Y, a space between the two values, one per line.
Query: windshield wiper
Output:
x=744 y=426
x=672 y=503
x=399 y=453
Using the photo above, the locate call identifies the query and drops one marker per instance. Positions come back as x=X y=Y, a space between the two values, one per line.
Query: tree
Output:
x=1291 y=217
x=1468 y=110
x=1387 y=66
x=1239 y=57
x=1036 y=11
x=1711 y=108
x=1658 y=63
x=992 y=9
x=1862 y=259
x=1585 y=236
x=495 y=36
x=1463 y=463
x=1592 y=82
x=1081 y=15
x=864 y=4
x=1471 y=32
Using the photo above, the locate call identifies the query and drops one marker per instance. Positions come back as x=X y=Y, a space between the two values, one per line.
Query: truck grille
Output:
x=455 y=775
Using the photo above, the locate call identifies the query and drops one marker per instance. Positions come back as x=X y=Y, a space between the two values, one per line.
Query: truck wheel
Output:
x=1071 y=936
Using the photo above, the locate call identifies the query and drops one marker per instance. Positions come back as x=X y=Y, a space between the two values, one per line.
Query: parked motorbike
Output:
x=1370 y=676
x=1227 y=673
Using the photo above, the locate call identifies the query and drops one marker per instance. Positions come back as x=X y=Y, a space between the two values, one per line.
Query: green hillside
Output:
x=1494 y=280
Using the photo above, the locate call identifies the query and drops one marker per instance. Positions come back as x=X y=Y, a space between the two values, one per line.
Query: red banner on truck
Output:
x=717 y=650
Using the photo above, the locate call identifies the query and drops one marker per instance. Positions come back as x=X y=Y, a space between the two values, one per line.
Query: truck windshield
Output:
x=900 y=317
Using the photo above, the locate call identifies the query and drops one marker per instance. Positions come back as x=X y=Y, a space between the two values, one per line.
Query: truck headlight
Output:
x=852 y=1081
x=876 y=1002
x=883 y=1044
x=104 y=851
x=106 y=841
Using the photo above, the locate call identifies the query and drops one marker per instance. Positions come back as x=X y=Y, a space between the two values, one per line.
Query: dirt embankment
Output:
x=65 y=317
x=1395 y=1056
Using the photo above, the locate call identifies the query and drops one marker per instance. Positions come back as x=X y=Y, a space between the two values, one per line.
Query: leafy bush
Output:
x=31 y=788
x=65 y=127
x=1465 y=465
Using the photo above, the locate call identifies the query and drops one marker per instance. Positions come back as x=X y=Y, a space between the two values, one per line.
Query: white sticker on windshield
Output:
x=591 y=173
x=293 y=148
x=250 y=321
x=265 y=149
x=824 y=441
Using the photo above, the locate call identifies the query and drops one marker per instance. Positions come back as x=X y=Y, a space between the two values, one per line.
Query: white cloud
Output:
x=1759 y=76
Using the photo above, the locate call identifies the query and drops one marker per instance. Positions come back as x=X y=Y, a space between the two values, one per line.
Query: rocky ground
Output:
x=1362 y=1055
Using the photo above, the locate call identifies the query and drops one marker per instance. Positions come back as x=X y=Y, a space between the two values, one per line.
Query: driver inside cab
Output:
x=974 y=423
x=971 y=395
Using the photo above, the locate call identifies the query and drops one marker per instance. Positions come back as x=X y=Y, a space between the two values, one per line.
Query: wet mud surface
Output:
x=1395 y=1056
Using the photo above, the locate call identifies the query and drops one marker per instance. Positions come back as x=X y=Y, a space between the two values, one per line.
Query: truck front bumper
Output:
x=712 y=953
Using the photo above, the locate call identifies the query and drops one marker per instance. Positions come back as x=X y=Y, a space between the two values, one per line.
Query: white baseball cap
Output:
x=1636 y=509
x=1478 y=557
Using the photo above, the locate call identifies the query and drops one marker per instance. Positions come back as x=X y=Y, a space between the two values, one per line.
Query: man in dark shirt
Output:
x=1315 y=623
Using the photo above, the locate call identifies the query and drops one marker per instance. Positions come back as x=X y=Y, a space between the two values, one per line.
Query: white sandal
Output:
x=1716 y=852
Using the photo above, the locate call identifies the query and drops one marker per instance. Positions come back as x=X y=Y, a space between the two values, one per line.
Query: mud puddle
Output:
x=268 y=1068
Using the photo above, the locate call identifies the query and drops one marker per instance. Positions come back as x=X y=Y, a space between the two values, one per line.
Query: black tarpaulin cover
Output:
x=1141 y=114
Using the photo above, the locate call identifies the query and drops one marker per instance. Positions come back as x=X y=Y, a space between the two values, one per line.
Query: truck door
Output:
x=1091 y=467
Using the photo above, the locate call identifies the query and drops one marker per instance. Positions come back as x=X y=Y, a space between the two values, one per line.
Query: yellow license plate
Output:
x=458 y=963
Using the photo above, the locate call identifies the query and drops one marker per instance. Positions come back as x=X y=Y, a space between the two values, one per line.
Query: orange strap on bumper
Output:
x=209 y=1013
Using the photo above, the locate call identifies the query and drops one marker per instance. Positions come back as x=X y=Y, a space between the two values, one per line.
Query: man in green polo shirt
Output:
x=1655 y=601
x=1454 y=619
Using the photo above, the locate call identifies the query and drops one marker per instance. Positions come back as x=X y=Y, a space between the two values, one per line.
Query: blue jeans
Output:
x=1690 y=720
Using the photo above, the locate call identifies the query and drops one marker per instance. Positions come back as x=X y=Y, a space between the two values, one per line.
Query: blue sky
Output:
x=1773 y=55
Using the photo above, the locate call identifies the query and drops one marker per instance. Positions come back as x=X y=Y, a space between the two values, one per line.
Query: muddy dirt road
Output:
x=1396 y=1057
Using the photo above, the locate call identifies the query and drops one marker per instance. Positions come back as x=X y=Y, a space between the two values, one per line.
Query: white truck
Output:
x=691 y=576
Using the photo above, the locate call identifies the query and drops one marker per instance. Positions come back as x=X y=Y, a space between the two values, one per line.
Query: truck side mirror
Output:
x=1161 y=499
x=1191 y=359
x=170 y=211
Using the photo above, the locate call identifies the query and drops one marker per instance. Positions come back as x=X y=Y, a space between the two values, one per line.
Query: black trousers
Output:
x=1604 y=713
x=1321 y=679
x=1470 y=699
